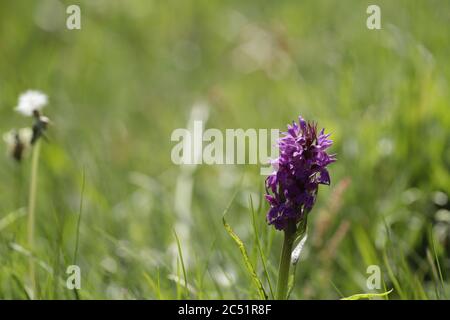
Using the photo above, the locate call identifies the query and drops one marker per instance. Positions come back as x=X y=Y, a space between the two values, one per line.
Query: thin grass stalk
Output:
x=31 y=215
x=285 y=261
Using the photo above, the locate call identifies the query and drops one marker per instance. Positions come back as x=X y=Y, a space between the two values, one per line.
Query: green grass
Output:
x=119 y=87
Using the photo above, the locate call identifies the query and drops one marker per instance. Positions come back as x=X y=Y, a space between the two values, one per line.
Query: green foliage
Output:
x=368 y=295
x=119 y=87
x=248 y=264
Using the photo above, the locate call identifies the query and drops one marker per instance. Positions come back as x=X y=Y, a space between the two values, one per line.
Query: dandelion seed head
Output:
x=17 y=142
x=31 y=101
x=24 y=135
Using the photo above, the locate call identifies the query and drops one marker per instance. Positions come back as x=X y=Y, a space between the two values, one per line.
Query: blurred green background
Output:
x=137 y=70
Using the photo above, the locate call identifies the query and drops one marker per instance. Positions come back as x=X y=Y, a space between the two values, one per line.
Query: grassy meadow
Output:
x=110 y=200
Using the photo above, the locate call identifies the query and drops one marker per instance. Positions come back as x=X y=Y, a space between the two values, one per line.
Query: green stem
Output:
x=31 y=215
x=285 y=261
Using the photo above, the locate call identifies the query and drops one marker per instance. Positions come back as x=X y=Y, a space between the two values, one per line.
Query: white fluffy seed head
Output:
x=18 y=142
x=24 y=136
x=30 y=101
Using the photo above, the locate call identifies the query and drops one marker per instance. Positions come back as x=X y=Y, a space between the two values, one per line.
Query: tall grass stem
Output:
x=285 y=261
x=31 y=215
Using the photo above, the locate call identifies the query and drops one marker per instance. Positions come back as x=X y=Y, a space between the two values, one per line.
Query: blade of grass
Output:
x=367 y=295
x=205 y=268
x=337 y=289
x=434 y=273
x=158 y=282
x=12 y=217
x=219 y=291
x=433 y=246
x=180 y=253
x=385 y=289
x=248 y=265
x=152 y=284
x=77 y=239
x=20 y=285
x=177 y=279
x=261 y=253
x=247 y=262
x=31 y=215
x=392 y=276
